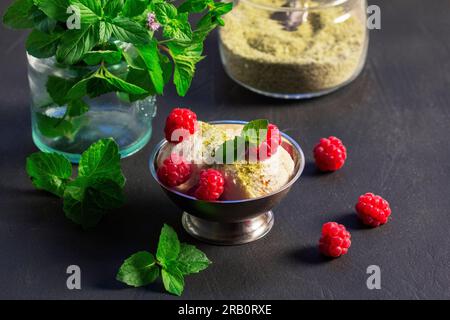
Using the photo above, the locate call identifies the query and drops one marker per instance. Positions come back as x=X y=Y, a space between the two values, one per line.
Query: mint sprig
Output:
x=255 y=131
x=252 y=134
x=97 y=188
x=173 y=261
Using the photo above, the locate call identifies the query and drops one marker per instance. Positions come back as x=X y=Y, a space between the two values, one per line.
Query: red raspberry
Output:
x=183 y=119
x=174 y=171
x=335 y=240
x=330 y=154
x=269 y=145
x=210 y=186
x=373 y=210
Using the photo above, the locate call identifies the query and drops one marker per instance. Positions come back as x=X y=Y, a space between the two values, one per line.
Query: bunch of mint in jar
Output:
x=154 y=39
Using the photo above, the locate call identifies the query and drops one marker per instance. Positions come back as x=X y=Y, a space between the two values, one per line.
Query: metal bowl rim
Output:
x=158 y=147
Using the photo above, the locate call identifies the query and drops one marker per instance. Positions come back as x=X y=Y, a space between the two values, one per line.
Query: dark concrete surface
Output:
x=394 y=120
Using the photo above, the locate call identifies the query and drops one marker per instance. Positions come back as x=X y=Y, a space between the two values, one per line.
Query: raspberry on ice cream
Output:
x=174 y=171
x=330 y=154
x=335 y=240
x=373 y=210
x=183 y=120
x=269 y=145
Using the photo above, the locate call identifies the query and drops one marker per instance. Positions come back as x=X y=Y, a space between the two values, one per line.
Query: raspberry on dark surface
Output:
x=330 y=154
x=335 y=240
x=373 y=210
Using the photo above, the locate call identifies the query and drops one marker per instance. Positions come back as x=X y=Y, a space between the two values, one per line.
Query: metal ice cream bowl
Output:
x=231 y=222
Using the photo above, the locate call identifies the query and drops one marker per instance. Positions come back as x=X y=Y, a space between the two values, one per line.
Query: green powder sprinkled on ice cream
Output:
x=323 y=52
x=212 y=135
x=247 y=172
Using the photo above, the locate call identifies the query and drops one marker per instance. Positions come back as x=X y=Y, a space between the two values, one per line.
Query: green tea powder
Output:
x=325 y=50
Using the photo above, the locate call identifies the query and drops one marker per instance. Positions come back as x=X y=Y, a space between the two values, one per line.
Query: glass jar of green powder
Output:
x=294 y=49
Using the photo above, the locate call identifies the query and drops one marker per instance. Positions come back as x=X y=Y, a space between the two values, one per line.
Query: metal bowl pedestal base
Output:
x=228 y=233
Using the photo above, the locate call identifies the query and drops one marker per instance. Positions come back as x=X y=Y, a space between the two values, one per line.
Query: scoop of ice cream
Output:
x=198 y=149
x=252 y=180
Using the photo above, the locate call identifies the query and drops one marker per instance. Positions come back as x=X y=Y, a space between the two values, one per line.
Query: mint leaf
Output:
x=58 y=88
x=49 y=171
x=112 y=7
x=42 y=45
x=175 y=25
x=75 y=43
x=185 y=59
x=142 y=79
x=133 y=8
x=99 y=82
x=150 y=56
x=191 y=260
x=104 y=31
x=56 y=127
x=93 y=58
x=80 y=207
x=132 y=57
x=178 y=29
x=138 y=270
x=127 y=30
x=18 y=15
x=173 y=280
x=167 y=67
x=93 y=6
x=76 y=108
x=79 y=90
x=165 y=12
x=55 y=9
x=221 y=8
x=89 y=10
x=99 y=86
x=108 y=193
x=233 y=150
x=196 y=6
x=212 y=19
x=41 y=22
x=168 y=246
x=86 y=200
x=252 y=131
x=102 y=161
x=184 y=72
x=230 y=151
x=120 y=84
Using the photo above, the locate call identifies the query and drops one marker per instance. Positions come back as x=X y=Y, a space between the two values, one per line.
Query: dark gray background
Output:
x=394 y=120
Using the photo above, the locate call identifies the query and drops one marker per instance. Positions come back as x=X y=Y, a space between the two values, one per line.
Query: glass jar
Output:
x=109 y=115
x=294 y=48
